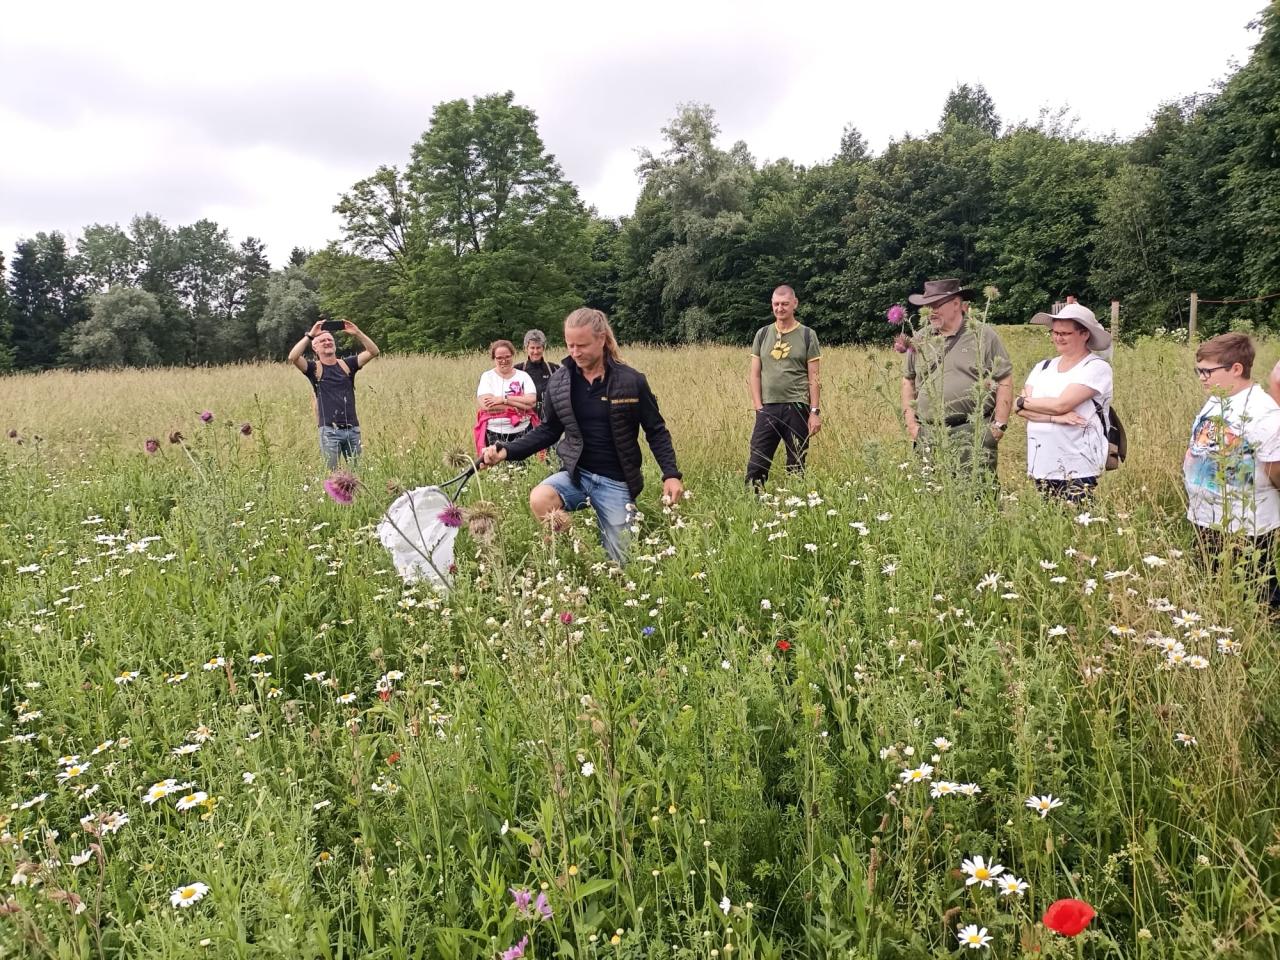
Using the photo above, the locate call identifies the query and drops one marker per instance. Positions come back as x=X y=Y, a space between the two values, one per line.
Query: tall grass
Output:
x=702 y=754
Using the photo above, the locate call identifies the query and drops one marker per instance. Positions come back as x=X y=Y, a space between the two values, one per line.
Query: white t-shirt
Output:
x=1058 y=451
x=519 y=384
x=1230 y=440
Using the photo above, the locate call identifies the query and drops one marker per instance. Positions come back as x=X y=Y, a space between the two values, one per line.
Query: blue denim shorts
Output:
x=611 y=500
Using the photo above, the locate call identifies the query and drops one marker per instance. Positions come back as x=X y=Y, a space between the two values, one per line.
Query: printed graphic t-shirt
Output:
x=784 y=362
x=520 y=384
x=1231 y=438
x=1057 y=451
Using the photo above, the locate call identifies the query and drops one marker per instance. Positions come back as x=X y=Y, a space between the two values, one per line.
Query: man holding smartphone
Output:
x=333 y=380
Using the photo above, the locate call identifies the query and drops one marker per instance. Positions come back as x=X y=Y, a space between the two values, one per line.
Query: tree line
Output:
x=480 y=235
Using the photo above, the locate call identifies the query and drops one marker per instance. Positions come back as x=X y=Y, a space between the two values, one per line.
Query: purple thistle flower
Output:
x=903 y=344
x=152 y=445
x=451 y=516
x=516 y=950
x=897 y=313
x=341 y=487
x=542 y=906
x=522 y=897
x=206 y=416
x=245 y=429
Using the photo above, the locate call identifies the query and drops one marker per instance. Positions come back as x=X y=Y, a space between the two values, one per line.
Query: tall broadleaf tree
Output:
x=499 y=238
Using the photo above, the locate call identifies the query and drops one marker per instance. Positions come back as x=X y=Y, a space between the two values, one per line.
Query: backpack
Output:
x=1112 y=429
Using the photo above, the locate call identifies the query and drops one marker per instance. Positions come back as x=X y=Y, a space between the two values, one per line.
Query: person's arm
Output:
x=753 y=384
x=1070 y=398
x=299 y=348
x=1272 y=469
x=909 y=407
x=1004 y=406
x=370 y=348
x=659 y=439
x=815 y=397
x=484 y=399
x=526 y=400
x=1273 y=382
x=539 y=438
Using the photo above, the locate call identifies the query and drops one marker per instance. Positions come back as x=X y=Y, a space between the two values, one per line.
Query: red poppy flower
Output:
x=394 y=758
x=1068 y=917
x=784 y=645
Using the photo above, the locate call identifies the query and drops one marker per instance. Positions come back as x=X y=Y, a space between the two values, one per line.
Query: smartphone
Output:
x=334 y=326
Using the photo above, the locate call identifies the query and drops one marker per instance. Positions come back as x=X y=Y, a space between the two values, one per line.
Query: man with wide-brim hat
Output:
x=957 y=389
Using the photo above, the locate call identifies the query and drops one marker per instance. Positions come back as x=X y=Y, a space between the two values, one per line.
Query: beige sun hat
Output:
x=1099 y=338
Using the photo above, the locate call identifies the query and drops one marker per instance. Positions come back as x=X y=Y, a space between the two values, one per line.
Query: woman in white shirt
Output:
x=505 y=399
x=1066 y=402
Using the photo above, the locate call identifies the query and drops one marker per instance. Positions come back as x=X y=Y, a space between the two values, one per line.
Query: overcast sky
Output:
x=259 y=114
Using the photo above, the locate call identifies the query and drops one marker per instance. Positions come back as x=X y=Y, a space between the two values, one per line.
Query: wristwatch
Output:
x=1019 y=403
x=1002 y=427
x=815 y=411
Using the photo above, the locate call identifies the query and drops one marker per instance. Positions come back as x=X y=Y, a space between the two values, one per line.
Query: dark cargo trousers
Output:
x=786 y=422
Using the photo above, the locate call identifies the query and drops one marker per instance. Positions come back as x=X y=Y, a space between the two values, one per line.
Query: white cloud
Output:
x=259 y=114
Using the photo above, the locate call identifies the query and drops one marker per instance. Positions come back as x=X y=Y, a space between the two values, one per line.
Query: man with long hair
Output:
x=595 y=405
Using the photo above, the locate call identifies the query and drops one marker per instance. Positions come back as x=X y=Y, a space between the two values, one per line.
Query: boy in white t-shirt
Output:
x=1232 y=465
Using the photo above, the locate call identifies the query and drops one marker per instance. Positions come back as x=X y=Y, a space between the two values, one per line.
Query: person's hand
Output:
x=1274 y=380
x=492 y=456
x=1070 y=419
x=316 y=329
x=815 y=424
x=672 y=490
x=913 y=429
x=996 y=433
x=349 y=327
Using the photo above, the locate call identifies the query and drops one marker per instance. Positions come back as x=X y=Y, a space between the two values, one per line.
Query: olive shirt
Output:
x=784 y=362
x=947 y=372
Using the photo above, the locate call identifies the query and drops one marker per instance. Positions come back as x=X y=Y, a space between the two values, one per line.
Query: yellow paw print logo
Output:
x=780 y=350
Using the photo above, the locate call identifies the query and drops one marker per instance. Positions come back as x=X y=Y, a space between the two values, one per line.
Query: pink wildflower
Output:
x=341 y=486
x=451 y=516
x=152 y=445
x=897 y=313
x=206 y=416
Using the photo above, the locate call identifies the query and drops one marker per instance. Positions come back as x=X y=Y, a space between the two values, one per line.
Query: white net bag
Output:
x=419 y=530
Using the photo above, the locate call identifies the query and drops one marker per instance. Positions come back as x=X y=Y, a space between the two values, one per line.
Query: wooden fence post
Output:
x=1191 y=328
x=1115 y=321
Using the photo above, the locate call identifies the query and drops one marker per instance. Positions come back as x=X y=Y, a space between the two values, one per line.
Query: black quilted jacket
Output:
x=632 y=405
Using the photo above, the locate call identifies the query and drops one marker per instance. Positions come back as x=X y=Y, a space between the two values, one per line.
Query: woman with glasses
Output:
x=506 y=399
x=1066 y=402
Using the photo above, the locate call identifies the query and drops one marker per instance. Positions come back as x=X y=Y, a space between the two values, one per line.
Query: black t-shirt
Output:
x=591 y=410
x=335 y=392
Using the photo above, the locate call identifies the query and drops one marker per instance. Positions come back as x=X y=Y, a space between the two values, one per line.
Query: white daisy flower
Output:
x=980 y=872
x=1042 y=805
x=184 y=897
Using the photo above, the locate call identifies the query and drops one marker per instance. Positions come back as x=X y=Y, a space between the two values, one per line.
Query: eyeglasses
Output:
x=1204 y=373
x=1065 y=333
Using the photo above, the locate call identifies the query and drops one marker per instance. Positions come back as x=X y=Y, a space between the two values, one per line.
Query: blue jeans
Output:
x=611 y=501
x=335 y=441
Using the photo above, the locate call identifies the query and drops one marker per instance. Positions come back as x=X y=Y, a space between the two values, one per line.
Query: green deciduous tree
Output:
x=290 y=310
x=125 y=326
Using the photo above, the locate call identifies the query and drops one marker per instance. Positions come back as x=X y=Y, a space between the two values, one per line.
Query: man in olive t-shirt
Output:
x=957 y=388
x=783 y=381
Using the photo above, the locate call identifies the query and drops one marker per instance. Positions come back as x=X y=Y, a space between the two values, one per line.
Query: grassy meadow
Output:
x=787 y=728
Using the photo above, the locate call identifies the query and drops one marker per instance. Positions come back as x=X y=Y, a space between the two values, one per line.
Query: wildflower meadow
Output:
x=868 y=715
